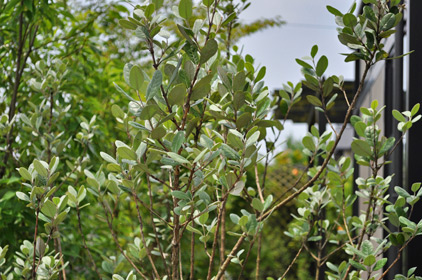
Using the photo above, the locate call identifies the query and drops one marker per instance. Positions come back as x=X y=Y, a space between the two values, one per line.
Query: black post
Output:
x=355 y=165
x=415 y=134
x=394 y=99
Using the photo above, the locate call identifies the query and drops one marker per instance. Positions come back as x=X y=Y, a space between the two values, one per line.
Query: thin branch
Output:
x=186 y=107
x=247 y=256
x=59 y=245
x=325 y=259
x=258 y=256
x=397 y=258
x=214 y=244
x=230 y=256
x=141 y=230
x=258 y=185
x=316 y=176
x=328 y=158
x=293 y=261
x=116 y=241
x=192 y=256
x=84 y=242
x=345 y=97
x=154 y=228
x=35 y=242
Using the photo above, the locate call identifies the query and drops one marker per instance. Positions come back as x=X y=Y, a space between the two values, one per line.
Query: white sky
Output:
x=308 y=23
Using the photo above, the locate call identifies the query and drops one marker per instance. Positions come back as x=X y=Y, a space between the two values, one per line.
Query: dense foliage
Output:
x=139 y=144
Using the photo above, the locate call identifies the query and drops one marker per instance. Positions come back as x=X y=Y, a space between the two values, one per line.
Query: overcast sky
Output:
x=308 y=23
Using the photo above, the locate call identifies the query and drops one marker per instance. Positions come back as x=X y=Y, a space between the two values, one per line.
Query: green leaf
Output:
x=126 y=153
x=234 y=218
x=207 y=3
x=138 y=126
x=190 y=47
x=39 y=167
x=243 y=220
x=369 y=260
x=158 y=3
x=360 y=128
x=415 y=109
x=268 y=201
x=380 y=264
x=124 y=92
x=127 y=24
x=117 y=112
x=362 y=148
x=321 y=65
x=139 y=13
x=203 y=218
x=402 y=192
x=328 y=86
x=108 y=158
x=387 y=21
x=369 y=13
x=25 y=173
x=149 y=111
x=234 y=140
x=117 y=277
x=202 y=88
x=178 y=158
x=178 y=140
x=239 y=99
x=81 y=194
x=238 y=188
x=49 y=209
x=257 y=204
x=228 y=152
x=261 y=74
x=308 y=143
x=185 y=8
x=177 y=95
x=350 y=20
x=315 y=238
x=388 y=144
x=136 y=77
x=180 y=195
x=367 y=248
x=22 y=196
x=303 y=64
x=334 y=11
x=357 y=265
x=149 y=10
x=314 y=100
x=192 y=229
x=252 y=139
x=243 y=120
x=154 y=86
x=201 y=154
x=415 y=187
x=239 y=81
x=158 y=132
x=314 y=51
x=398 y=116
x=208 y=50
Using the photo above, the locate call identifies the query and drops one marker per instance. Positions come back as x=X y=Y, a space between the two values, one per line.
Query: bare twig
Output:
x=116 y=241
x=230 y=256
x=84 y=242
x=293 y=261
x=35 y=243
x=141 y=230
